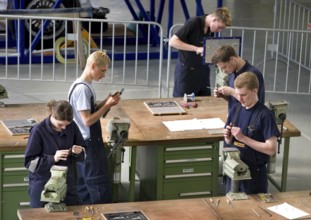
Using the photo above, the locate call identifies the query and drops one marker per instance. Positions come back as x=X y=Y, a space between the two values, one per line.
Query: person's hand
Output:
x=199 y=51
x=227 y=131
x=113 y=99
x=217 y=92
x=237 y=133
x=76 y=149
x=223 y=91
x=61 y=155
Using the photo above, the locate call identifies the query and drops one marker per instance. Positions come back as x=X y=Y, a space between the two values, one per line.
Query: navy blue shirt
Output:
x=263 y=127
x=247 y=68
x=257 y=123
x=43 y=143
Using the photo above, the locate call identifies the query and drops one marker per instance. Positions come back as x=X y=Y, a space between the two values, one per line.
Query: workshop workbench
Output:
x=197 y=208
x=146 y=130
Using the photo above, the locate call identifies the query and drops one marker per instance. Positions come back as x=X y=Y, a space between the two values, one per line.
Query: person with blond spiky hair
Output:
x=92 y=175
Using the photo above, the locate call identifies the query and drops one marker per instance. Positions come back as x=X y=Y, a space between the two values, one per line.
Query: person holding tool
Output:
x=191 y=74
x=56 y=140
x=93 y=180
x=229 y=62
x=252 y=129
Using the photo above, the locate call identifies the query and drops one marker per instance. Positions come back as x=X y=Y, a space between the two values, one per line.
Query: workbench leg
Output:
x=132 y=173
x=282 y=187
x=215 y=168
x=285 y=164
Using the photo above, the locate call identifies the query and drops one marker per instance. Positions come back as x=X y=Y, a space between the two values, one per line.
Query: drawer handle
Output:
x=14 y=185
x=21 y=204
x=14 y=169
x=195 y=194
x=189 y=160
x=188 y=148
x=188 y=175
x=16 y=156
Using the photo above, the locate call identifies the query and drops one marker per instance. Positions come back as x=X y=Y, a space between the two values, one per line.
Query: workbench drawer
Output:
x=188 y=152
x=187 y=188
x=15 y=180
x=16 y=198
x=188 y=168
x=13 y=163
x=13 y=158
x=14 y=171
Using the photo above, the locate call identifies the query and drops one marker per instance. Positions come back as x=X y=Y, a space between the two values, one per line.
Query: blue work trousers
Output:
x=189 y=80
x=93 y=179
x=258 y=183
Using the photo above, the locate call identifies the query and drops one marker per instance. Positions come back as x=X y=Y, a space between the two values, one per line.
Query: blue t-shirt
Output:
x=257 y=123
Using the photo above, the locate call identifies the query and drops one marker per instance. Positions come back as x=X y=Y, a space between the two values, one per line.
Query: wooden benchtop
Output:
x=18 y=111
x=145 y=128
x=184 y=209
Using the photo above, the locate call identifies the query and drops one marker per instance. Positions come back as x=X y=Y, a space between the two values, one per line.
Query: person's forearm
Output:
x=187 y=47
x=268 y=147
x=101 y=104
x=234 y=94
x=90 y=119
x=180 y=45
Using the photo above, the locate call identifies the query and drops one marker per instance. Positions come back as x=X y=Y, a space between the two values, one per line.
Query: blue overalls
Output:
x=93 y=183
x=192 y=75
x=191 y=79
x=255 y=160
x=41 y=147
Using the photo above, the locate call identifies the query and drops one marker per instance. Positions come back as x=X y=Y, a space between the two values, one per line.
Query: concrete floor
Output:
x=248 y=13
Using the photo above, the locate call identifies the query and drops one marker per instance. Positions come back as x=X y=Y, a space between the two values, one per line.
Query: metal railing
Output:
x=136 y=50
x=285 y=61
x=134 y=47
x=292 y=15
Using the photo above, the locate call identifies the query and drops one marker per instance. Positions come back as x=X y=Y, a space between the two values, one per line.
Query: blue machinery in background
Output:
x=149 y=15
x=18 y=7
x=16 y=36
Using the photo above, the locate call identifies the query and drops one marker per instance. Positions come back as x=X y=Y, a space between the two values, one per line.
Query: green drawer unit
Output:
x=13 y=199
x=188 y=187
x=15 y=180
x=14 y=184
x=178 y=171
x=187 y=169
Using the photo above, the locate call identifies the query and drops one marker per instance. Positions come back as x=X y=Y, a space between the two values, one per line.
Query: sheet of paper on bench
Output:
x=288 y=211
x=194 y=124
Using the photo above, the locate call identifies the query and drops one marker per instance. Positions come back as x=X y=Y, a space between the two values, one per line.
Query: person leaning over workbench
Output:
x=191 y=74
x=56 y=140
x=93 y=179
x=252 y=129
x=229 y=62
